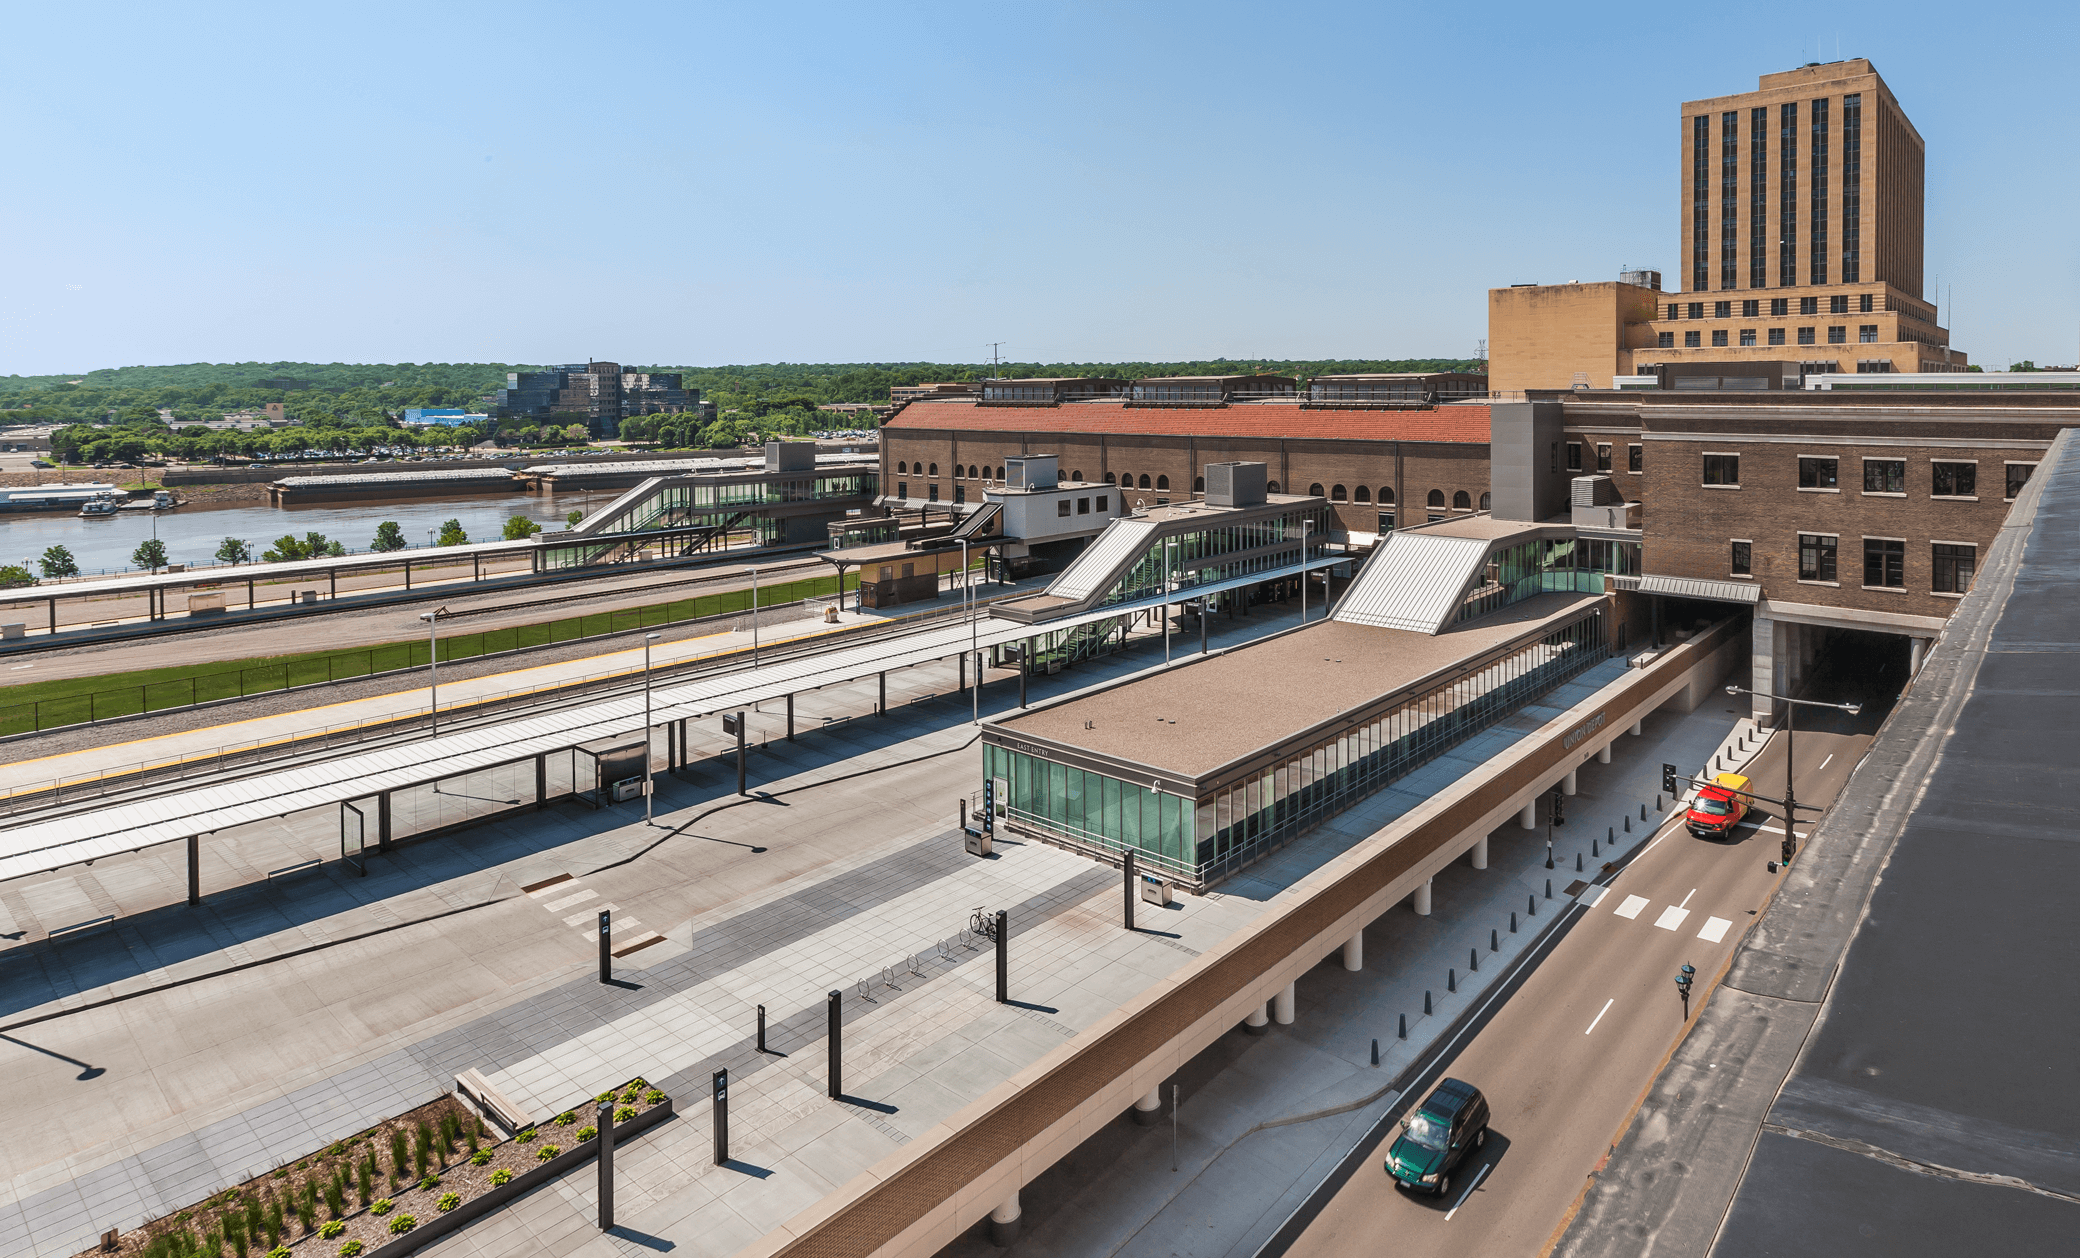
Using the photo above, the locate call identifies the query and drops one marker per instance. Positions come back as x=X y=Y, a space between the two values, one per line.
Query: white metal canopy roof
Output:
x=40 y=846
x=1413 y=582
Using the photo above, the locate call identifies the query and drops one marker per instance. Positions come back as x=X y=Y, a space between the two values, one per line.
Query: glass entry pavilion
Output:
x=1109 y=771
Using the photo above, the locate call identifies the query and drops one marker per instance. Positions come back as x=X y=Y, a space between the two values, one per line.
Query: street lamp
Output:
x=754 y=616
x=648 y=638
x=1791 y=706
x=433 y=664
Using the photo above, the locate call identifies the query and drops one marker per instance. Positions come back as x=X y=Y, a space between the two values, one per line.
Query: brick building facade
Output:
x=1377 y=466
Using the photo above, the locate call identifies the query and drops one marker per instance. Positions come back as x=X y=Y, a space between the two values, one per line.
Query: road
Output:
x=1566 y=1057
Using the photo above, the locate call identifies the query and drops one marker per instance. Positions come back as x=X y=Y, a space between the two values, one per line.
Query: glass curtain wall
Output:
x=1204 y=840
x=1572 y=565
x=1194 y=559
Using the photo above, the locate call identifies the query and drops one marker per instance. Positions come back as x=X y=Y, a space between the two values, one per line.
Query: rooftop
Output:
x=1283 y=418
x=1187 y=720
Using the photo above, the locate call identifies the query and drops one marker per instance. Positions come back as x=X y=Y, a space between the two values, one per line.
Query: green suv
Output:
x=1437 y=1135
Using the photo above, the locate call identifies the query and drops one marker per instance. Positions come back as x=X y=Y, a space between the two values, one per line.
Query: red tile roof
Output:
x=1466 y=422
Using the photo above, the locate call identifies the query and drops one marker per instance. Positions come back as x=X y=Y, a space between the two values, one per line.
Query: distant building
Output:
x=596 y=395
x=443 y=416
x=911 y=392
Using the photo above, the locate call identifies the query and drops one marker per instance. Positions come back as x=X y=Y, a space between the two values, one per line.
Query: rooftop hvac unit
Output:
x=1641 y=279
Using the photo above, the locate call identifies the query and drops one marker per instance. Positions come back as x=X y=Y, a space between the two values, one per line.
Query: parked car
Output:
x=1437 y=1135
x=1719 y=807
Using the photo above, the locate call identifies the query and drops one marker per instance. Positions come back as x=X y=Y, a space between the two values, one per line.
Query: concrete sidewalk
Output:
x=1263 y=1124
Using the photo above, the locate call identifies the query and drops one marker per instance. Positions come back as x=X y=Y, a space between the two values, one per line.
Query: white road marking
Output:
x=19 y=667
x=557 y=906
x=1478 y=1177
x=1686 y=899
x=591 y=916
x=1671 y=918
x=1592 y=896
x=1633 y=904
x=1823 y=763
x=1599 y=1014
x=1714 y=929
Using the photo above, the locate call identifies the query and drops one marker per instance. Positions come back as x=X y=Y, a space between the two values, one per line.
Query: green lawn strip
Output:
x=72 y=700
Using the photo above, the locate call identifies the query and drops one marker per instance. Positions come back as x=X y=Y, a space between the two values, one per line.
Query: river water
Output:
x=192 y=533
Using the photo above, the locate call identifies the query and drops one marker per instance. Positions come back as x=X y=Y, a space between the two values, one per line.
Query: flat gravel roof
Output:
x=1206 y=712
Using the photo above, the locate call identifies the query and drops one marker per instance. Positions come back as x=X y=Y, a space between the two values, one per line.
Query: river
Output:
x=192 y=533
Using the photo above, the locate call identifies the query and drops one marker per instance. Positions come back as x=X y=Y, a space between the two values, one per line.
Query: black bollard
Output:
x=1578 y=861
x=1494 y=940
x=1451 y=980
x=1533 y=905
x=1404 y=1026
x=1375 y=1052
x=721 y=1085
x=606 y=945
x=1003 y=957
x=1473 y=960
x=1628 y=823
x=761 y=1028
x=1594 y=850
x=1549 y=888
x=606 y=1163
x=1513 y=923
x=1127 y=866
x=1426 y=1002
x=834 y=1007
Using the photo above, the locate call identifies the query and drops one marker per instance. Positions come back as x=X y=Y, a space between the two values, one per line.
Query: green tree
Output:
x=573 y=518
x=577 y=433
x=150 y=554
x=14 y=576
x=318 y=546
x=452 y=534
x=58 y=562
x=234 y=551
x=389 y=537
x=285 y=548
x=519 y=528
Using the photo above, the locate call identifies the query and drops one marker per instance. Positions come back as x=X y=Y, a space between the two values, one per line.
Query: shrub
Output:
x=448 y=1201
x=401 y=1224
x=587 y=1133
x=336 y=1150
x=473 y=1141
x=546 y=1152
x=527 y=1137
x=480 y=1157
x=625 y=1113
x=382 y=1207
x=566 y=1118
x=501 y=1176
x=279 y=1251
x=331 y=1228
x=652 y=1097
x=281 y=1172
x=336 y=1194
x=604 y=1097
x=349 y=1249
x=638 y=1082
x=451 y=1129
x=365 y=1178
x=431 y=1181
x=631 y=1097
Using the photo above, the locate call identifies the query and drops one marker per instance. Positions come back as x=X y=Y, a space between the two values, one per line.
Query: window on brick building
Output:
x=1805 y=336
x=1884 y=563
x=1776 y=336
x=1955 y=480
x=1867 y=333
x=1696 y=310
x=1865 y=303
x=1747 y=336
x=1837 y=334
x=1751 y=309
x=1779 y=307
x=1603 y=456
x=1952 y=564
x=1719 y=338
x=1692 y=340
x=1632 y=459
x=1574 y=451
x=1884 y=476
x=1741 y=563
x=1819 y=473
x=1722 y=469
x=1722 y=310
x=1838 y=304
x=1664 y=340
x=2018 y=476
x=1816 y=553
x=1808 y=305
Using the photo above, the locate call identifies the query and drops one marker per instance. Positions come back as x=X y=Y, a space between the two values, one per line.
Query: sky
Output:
x=706 y=184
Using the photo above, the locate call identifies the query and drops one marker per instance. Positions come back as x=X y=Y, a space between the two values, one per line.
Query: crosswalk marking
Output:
x=1593 y=896
x=1715 y=929
x=1671 y=917
x=1633 y=904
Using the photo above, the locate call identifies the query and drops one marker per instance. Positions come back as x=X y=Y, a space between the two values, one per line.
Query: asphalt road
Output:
x=1566 y=1058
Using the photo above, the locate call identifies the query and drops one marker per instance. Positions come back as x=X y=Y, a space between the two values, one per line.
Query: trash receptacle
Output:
x=979 y=843
x=628 y=788
x=1155 y=890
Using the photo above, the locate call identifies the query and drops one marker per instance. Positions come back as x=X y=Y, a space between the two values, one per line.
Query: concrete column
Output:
x=1603 y=754
x=1149 y=1107
x=1529 y=817
x=1914 y=656
x=1567 y=784
x=1423 y=899
x=1256 y=1023
x=1480 y=852
x=1638 y=728
x=1003 y=1222
x=1282 y=1006
x=1354 y=952
x=194 y=869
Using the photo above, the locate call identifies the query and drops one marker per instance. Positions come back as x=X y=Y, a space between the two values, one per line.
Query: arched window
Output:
x=1462 y=501
x=902 y=469
x=1484 y=502
x=1339 y=494
x=1076 y=475
x=1108 y=478
x=935 y=469
x=1315 y=489
x=1271 y=488
x=1162 y=482
x=1199 y=485
x=1386 y=495
x=1000 y=473
x=1436 y=497
x=1361 y=494
x=1144 y=480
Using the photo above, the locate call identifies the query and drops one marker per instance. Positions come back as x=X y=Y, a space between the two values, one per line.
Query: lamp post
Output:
x=648 y=638
x=433 y=664
x=1791 y=707
x=754 y=616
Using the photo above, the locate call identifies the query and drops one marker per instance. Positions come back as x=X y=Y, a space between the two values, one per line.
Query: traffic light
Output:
x=1668 y=779
x=1790 y=848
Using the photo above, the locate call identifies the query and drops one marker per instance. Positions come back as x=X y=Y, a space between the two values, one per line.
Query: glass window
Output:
x=1386 y=522
x=1838 y=304
x=1719 y=338
x=1696 y=310
x=931 y=493
x=1747 y=336
x=1664 y=340
x=1867 y=333
x=1953 y=565
x=1776 y=336
x=1816 y=553
x=2018 y=476
x=1956 y=480
x=1603 y=457
x=1061 y=508
x=1808 y=305
x=1837 y=334
x=1805 y=336
x=1865 y=303
x=1779 y=307
x=1574 y=452
x=1722 y=469
x=1884 y=476
x=1751 y=309
x=1818 y=473
x=1692 y=340
x=1884 y=562
x=1632 y=459
x=1722 y=310
x=1741 y=563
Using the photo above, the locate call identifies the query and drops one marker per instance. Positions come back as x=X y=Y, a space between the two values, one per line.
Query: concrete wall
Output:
x=1528 y=475
x=1540 y=336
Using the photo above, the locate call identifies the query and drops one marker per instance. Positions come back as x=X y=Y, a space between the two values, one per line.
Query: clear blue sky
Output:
x=685 y=183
